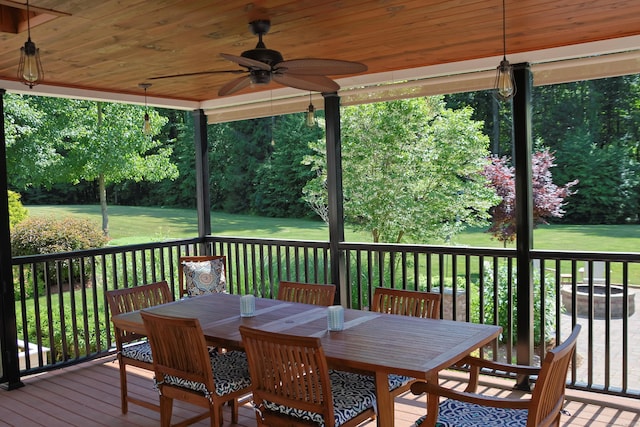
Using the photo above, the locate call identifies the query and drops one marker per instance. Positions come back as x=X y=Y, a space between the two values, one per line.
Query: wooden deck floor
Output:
x=89 y=395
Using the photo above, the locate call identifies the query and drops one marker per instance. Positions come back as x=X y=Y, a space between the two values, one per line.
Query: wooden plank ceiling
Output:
x=112 y=45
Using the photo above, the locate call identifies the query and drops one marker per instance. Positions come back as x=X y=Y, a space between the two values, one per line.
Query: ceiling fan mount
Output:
x=268 y=56
x=260 y=27
x=264 y=65
x=260 y=52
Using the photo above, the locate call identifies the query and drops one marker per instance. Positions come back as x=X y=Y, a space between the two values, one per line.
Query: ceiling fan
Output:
x=264 y=65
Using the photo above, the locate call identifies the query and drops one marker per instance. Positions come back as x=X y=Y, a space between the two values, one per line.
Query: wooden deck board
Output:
x=89 y=395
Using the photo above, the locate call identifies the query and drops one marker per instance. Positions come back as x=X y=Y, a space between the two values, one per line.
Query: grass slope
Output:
x=135 y=224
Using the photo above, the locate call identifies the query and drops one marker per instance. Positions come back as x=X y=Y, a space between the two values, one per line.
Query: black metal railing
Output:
x=62 y=315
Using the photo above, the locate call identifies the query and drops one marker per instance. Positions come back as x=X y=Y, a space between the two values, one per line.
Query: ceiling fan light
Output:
x=260 y=77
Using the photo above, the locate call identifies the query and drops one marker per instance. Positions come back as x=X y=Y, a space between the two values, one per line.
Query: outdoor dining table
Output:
x=381 y=344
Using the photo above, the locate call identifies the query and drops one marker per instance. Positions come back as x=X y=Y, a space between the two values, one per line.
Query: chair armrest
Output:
x=498 y=366
x=476 y=364
x=420 y=387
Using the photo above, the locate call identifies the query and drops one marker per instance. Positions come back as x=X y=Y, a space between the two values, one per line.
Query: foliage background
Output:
x=591 y=127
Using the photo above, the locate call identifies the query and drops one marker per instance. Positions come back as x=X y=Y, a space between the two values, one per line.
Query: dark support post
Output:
x=524 y=215
x=203 y=201
x=334 y=188
x=8 y=328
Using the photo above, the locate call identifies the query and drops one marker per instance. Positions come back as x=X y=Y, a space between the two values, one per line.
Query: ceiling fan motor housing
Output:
x=268 y=56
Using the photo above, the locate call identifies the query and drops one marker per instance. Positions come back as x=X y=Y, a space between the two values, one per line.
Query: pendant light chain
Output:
x=505 y=85
x=30 y=71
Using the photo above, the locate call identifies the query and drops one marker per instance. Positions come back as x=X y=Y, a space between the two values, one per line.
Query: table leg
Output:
x=432 y=403
x=385 y=415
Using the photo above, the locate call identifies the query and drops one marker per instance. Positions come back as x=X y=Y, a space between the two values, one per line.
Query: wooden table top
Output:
x=370 y=341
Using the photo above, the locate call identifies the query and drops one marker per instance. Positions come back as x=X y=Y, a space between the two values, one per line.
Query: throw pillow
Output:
x=204 y=277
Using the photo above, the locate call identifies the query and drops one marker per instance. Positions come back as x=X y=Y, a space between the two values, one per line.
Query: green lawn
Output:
x=132 y=224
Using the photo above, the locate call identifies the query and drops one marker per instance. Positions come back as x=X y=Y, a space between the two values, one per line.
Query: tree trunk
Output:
x=102 y=187
x=103 y=205
x=495 y=147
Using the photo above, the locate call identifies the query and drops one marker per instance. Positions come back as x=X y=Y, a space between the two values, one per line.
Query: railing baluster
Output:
x=61 y=324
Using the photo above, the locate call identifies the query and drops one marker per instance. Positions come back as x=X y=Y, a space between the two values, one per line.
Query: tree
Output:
x=609 y=182
x=237 y=150
x=79 y=140
x=548 y=198
x=281 y=177
x=411 y=170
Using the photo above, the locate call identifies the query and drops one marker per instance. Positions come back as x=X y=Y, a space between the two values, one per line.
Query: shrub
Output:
x=42 y=235
x=17 y=212
x=507 y=302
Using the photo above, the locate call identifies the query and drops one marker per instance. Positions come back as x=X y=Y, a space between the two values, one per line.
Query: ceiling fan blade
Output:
x=311 y=83
x=198 y=73
x=321 y=67
x=235 y=85
x=246 y=62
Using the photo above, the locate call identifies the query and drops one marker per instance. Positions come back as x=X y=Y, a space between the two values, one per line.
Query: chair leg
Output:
x=123 y=386
x=234 y=411
x=166 y=410
x=215 y=414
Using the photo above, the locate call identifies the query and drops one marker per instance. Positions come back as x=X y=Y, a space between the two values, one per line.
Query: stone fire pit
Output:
x=599 y=301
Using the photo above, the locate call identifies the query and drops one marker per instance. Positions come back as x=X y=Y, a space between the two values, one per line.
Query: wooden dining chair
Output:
x=542 y=409
x=406 y=303
x=307 y=293
x=186 y=370
x=133 y=349
x=202 y=274
x=292 y=385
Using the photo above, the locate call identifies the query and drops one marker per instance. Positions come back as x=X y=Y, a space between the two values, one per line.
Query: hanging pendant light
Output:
x=146 y=127
x=505 y=86
x=311 y=118
x=30 y=70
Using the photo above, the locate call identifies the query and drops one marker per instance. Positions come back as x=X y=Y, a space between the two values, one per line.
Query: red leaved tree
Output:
x=548 y=198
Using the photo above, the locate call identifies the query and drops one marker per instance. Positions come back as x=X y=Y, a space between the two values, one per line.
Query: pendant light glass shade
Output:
x=30 y=70
x=505 y=85
x=311 y=116
x=146 y=126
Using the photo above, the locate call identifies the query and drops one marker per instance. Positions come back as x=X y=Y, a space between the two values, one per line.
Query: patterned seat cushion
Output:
x=205 y=277
x=139 y=351
x=453 y=413
x=230 y=373
x=352 y=394
x=396 y=381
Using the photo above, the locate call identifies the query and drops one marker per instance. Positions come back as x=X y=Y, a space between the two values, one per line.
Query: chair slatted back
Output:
x=548 y=395
x=307 y=293
x=179 y=348
x=405 y=302
x=288 y=370
x=135 y=298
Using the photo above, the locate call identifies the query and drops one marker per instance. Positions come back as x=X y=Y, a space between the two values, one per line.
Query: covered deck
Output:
x=98 y=50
